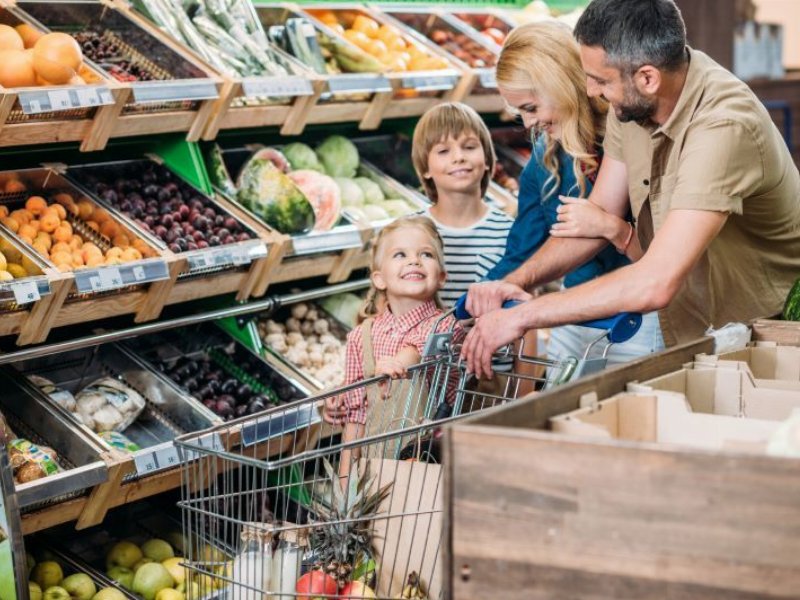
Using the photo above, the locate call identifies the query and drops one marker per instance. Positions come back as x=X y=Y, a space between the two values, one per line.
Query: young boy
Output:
x=454 y=158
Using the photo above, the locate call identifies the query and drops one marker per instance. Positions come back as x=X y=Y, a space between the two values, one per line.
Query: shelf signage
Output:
x=42 y=101
x=277 y=86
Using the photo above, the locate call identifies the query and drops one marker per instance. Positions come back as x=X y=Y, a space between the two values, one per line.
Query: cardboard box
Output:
x=664 y=417
x=767 y=360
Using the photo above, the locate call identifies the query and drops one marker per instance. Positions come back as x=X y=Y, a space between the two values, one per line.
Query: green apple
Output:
x=123 y=554
x=47 y=574
x=109 y=593
x=56 y=592
x=150 y=579
x=34 y=591
x=144 y=561
x=157 y=549
x=80 y=586
x=169 y=594
x=122 y=575
x=176 y=569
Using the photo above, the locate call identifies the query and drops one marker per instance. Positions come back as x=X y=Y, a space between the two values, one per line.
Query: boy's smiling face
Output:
x=457 y=165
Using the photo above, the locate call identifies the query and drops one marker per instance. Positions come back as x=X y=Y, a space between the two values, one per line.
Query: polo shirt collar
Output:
x=689 y=99
x=413 y=317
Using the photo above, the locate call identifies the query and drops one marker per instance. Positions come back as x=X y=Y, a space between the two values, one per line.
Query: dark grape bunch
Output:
x=108 y=56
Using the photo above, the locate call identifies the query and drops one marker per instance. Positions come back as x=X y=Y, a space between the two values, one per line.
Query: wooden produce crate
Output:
x=544 y=515
x=169 y=90
x=207 y=268
x=413 y=91
x=257 y=101
x=120 y=260
x=59 y=113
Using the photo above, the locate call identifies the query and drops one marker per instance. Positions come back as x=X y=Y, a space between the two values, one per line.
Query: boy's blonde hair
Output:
x=543 y=58
x=449 y=119
x=375 y=302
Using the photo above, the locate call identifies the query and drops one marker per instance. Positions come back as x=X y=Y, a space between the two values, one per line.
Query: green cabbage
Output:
x=351 y=193
x=372 y=191
x=301 y=156
x=339 y=156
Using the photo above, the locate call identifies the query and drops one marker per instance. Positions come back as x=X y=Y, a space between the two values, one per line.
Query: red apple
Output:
x=356 y=589
x=316 y=584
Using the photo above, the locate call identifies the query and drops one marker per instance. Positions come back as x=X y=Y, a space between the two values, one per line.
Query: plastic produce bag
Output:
x=731 y=337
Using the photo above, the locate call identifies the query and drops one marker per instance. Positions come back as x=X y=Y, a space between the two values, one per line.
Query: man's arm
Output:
x=557 y=257
x=649 y=284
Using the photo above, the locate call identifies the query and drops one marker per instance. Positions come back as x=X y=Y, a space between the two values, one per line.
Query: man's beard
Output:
x=635 y=107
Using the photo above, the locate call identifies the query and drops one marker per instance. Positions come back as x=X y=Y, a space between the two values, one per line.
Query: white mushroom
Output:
x=306 y=327
x=292 y=324
x=321 y=326
x=299 y=310
x=294 y=338
x=273 y=327
x=315 y=358
x=312 y=315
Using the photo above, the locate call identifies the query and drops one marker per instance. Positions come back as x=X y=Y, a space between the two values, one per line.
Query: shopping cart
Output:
x=270 y=512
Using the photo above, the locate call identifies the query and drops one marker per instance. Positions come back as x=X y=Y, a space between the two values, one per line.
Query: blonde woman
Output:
x=539 y=75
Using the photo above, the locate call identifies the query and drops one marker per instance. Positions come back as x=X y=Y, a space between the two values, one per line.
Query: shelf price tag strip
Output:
x=268 y=428
x=41 y=101
x=429 y=82
x=166 y=91
x=276 y=86
x=358 y=83
x=167 y=457
x=114 y=277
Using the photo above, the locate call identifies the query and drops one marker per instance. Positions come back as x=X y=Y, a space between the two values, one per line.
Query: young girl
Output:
x=399 y=313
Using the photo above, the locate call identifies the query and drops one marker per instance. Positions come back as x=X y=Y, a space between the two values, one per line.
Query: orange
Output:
x=328 y=17
x=49 y=222
x=11 y=223
x=109 y=228
x=366 y=25
x=36 y=205
x=85 y=209
x=377 y=48
x=395 y=62
x=357 y=37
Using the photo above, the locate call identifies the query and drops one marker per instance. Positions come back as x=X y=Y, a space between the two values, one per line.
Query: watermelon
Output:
x=273 y=197
x=791 y=310
x=324 y=195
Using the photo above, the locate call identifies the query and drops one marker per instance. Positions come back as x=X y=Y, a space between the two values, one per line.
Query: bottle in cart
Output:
x=287 y=561
x=252 y=567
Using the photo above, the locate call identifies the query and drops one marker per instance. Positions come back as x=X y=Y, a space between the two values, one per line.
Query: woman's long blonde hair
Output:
x=543 y=58
x=376 y=302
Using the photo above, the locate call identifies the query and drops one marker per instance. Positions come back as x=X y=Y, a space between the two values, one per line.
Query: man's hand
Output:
x=492 y=331
x=582 y=218
x=334 y=411
x=488 y=296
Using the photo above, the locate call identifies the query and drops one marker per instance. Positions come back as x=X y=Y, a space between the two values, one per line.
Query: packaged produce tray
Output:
x=348 y=233
x=435 y=75
x=460 y=41
x=160 y=78
x=68 y=231
x=142 y=189
x=318 y=353
x=55 y=102
x=29 y=282
x=297 y=38
x=41 y=423
x=165 y=412
x=231 y=40
x=229 y=379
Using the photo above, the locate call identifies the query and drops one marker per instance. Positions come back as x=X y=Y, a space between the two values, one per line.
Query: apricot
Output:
x=62 y=234
x=59 y=211
x=76 y=243
x=27 y=231
x=36 y=205
x=50 y=222
x=77 y=259
x=114 y=252
x=95 y=260
x=85 y=209
x=14 y=186
x=107 y=228
x=101 y=215
x=113 y=261
x=64 y=198
x=11 y=223
x=26 y=238
x=61 y=257
x=3 y=211
x=45 y=239
x=131 y=254
x=60 y=247
x=21 y=215
x=41 y=248
x=64 y=267
x=36 y=224
x=121 y=240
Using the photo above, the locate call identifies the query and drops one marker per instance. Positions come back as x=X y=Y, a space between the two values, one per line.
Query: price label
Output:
x=60 y=99
x=35 y=106
x=88 y=97
x=199 y=261
x=240 y=256
x=110 y=277
x=25 y=292
x=212 y=442
x=146 y=463
x=168 y=457
x=278 y=86
x=138 y=273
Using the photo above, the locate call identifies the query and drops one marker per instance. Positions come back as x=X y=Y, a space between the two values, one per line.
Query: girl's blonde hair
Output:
x=443 y=121
x=376 y=302
x=543 y=58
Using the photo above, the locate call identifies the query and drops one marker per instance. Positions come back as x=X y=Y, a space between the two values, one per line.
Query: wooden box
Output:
x=536 y=515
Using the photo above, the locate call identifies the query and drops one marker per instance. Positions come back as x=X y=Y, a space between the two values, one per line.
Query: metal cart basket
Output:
x=308 y=514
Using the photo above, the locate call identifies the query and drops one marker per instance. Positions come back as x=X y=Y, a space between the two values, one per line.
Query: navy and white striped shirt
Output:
x=470 y=252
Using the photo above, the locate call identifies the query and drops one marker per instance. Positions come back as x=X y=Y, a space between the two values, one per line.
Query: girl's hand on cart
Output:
x=578 y=217
x=489 y=296
x=490 y=332
x=334 y=411
x=395 y=367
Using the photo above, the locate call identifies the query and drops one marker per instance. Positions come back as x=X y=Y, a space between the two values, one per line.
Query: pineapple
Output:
x=343 y=532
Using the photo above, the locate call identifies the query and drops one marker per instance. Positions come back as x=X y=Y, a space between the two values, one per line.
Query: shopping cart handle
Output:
x=620 y=328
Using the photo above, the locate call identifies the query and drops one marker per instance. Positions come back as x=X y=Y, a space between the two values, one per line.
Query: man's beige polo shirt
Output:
x=718 y=151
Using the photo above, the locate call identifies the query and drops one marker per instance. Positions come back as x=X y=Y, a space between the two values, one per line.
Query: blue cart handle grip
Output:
x=620 y=327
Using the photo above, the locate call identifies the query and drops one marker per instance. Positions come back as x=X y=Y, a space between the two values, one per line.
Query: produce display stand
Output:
x=182 y=93
x=617 y=519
